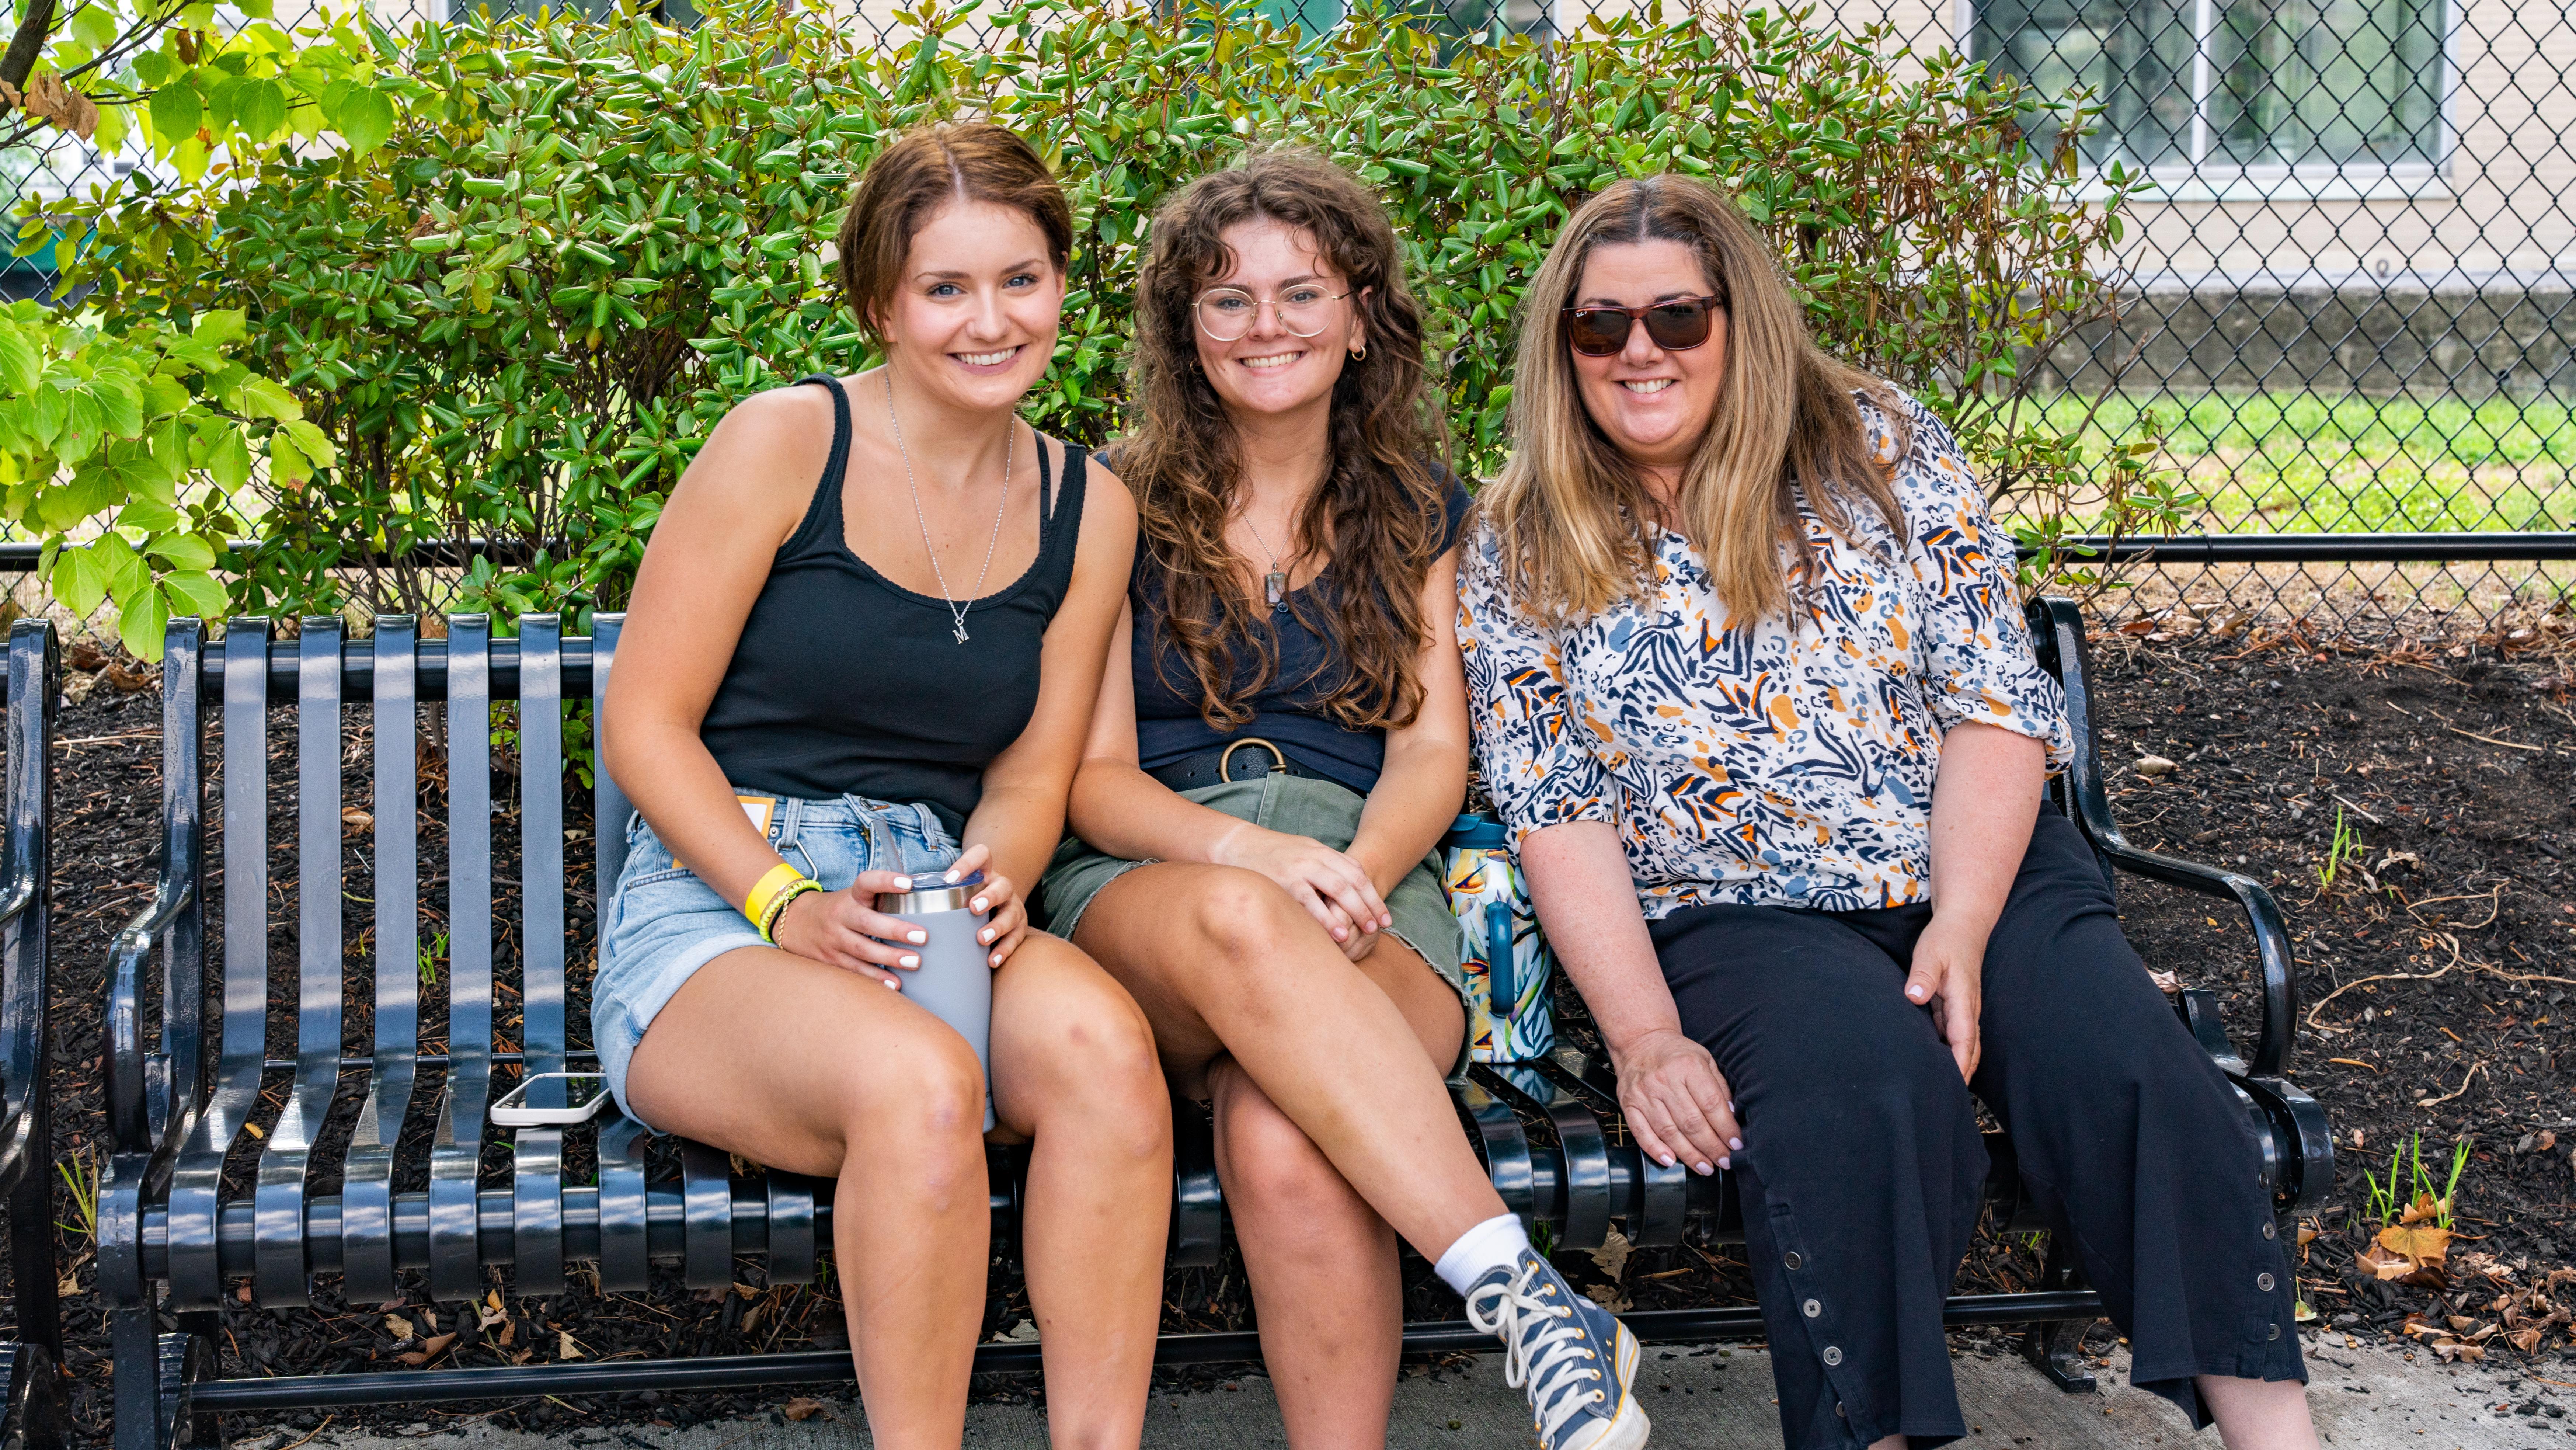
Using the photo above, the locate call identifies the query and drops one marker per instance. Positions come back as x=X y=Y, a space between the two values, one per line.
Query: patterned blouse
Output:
x=1767 y=767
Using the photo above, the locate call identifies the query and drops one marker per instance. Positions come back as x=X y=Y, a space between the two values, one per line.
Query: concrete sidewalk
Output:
x=1716 y=1398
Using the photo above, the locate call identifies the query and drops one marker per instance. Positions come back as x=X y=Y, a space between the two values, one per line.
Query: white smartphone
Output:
x=550 y=1099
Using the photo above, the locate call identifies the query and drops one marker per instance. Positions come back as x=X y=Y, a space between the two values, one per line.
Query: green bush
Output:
x=582 y=242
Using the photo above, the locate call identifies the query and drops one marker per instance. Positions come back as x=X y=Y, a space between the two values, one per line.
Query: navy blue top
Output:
x=1287 y=711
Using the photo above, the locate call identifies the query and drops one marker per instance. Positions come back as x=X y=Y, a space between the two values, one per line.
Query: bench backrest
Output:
x=319 y=673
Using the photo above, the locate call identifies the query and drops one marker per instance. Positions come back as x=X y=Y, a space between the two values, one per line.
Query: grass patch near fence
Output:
x=2288 y=462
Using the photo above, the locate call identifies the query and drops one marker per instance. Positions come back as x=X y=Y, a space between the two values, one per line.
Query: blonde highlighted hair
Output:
x=1573 y=515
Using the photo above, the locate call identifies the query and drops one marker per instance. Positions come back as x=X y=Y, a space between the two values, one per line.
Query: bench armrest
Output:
x=2058 y=630
x=137 y=1106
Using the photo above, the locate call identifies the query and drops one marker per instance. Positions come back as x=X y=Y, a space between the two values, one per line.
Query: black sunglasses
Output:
x=1676 y=324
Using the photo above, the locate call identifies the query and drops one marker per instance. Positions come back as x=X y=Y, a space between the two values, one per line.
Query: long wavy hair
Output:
x=1572 y=515
x=1380 y=507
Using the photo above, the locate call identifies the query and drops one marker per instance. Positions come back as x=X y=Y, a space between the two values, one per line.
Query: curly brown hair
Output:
x=1381 y=506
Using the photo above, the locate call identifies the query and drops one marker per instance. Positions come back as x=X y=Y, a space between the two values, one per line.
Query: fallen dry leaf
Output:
x=399 y=1327
x=2425 y=1206
x=801 y=1409
x=2526 y=1340
x=1612 y=1257
x=564 y=1347
x=2419 y=1242
x=2153 y=765
x=357 y=820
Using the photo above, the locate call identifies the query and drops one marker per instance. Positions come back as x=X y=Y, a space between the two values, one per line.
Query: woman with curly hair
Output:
x=1266 y=781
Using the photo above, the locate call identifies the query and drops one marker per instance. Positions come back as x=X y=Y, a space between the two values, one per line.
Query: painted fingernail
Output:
x=950 y=878
x=1735 y=1143
x=916 y=937
x=1914 y=992
x=997 y=959
x=911 y=961
x=1705 y=1170
x=893 y=984
x=1666 y=1160
x=982 y=937
x=903 y=883
x=1726 y=1163
x=976 y=905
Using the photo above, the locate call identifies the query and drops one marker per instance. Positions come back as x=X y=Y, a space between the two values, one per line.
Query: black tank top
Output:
x=845 y=682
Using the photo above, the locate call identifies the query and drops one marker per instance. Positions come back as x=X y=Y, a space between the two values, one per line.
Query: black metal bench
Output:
x=30 y=1389
x=1553 y=1141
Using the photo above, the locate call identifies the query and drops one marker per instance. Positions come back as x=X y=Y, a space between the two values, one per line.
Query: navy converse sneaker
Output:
x=1572 y=1357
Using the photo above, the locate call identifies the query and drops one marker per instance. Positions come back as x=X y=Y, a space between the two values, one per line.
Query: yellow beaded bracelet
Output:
x=763 y=896
x=778 y=906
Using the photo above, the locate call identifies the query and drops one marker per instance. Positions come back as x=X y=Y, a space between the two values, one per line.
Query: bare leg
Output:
x=1224 y=961
x=1074 y=1070
x=819 y=1071
x=2259 y=1414
x=1326 y=1288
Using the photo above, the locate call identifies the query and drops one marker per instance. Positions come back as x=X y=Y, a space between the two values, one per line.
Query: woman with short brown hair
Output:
x=873 y=616
x=1279 y=746
x=1752 y=690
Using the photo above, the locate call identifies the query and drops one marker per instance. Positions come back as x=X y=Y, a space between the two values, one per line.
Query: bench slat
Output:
x=706 y=1179
x=196 y=1280
x=455 y=1267
x=279 y=1276
x=1582 y=1197
x=1502 y=1144
x=536 y=1173
x=625 y=1253
x=366 y=1203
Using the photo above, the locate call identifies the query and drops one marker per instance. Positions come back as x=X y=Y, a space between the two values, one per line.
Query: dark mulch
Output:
x=2448 y=936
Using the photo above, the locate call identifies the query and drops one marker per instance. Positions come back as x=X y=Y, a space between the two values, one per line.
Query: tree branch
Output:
x=20 y=59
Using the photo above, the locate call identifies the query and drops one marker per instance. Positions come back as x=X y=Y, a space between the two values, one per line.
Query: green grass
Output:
x=2302 y=463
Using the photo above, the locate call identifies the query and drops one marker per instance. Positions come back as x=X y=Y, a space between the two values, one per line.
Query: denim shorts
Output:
x=663 y=923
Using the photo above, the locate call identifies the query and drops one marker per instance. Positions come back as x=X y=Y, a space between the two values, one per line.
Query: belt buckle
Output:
x=1225 y=757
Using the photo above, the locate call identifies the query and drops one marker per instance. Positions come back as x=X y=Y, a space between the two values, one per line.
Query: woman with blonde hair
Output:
x=1281 y=741
x=1751 y=688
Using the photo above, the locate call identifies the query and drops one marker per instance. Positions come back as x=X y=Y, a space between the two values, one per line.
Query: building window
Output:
x=2203 y=87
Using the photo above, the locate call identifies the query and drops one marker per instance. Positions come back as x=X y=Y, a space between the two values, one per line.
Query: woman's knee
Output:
x=1243 y=915
x=1268 y=1162
x=918 y=1089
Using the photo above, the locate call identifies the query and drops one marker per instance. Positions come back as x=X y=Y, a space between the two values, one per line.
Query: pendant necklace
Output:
x=1274 y=585
x=1010 y=440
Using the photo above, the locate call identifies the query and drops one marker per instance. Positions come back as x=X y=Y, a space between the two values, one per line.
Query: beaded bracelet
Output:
x=778 y=905
x=764 y=896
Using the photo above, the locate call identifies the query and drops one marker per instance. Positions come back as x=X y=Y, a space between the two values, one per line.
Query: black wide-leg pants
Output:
x=1863 y=1166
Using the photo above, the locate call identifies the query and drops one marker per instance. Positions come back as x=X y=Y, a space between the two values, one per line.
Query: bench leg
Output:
x=30 y=1388
x=2058 y=1348
x=153 y=1371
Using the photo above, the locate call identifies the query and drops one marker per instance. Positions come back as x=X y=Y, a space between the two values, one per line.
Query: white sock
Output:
x=1479 y=1251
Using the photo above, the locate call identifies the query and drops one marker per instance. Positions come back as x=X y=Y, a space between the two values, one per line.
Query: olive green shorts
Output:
x=1296 y=806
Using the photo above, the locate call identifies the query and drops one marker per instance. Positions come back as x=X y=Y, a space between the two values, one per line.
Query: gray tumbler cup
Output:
x=953 y=981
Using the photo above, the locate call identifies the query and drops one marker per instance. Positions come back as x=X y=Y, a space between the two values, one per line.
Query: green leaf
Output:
x=312 y=442
x=262 y=109
x=84 y=425
x=94 y=25
x=141 y=623
x=184 y=551
x=80 y=582
x=366 y=120
x=220 y=327
x=286 y=462
x=259 y=398
x=22 y=362
x=147 y=515
x=228 y=461
x=177 y=112
x=196 y=593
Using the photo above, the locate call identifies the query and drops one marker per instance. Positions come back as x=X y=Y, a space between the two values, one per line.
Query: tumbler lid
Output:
x=930 y=895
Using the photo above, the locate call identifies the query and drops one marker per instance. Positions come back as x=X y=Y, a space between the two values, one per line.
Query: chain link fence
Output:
x=2347 y=305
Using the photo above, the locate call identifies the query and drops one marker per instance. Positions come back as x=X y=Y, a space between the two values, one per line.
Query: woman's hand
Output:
x=1007 y=922
x=1330 y=885
x=1949 y=977
x=1677 y=1102
x=844 y=929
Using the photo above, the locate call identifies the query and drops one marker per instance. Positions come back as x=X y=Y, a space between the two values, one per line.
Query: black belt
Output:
x=1213 y=767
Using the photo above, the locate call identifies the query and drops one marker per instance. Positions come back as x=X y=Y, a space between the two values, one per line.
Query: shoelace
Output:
x=1543 y=1347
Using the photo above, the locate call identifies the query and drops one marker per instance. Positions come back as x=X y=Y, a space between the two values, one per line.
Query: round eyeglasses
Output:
x=1228 y=314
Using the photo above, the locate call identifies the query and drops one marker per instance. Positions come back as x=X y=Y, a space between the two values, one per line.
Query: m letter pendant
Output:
x=959 y=630
x=1274 y=587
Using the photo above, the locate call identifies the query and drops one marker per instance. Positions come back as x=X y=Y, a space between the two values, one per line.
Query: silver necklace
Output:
x=1010 y=440
x=1274 y=585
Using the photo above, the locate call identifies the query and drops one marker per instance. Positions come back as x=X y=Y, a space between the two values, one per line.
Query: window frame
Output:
x=2212 y=180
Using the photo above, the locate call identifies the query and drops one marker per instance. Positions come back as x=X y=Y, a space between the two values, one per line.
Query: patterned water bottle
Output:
x=1509 y=967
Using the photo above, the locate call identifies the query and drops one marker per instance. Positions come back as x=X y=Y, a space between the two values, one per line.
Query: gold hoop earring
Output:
x=1360 y=353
